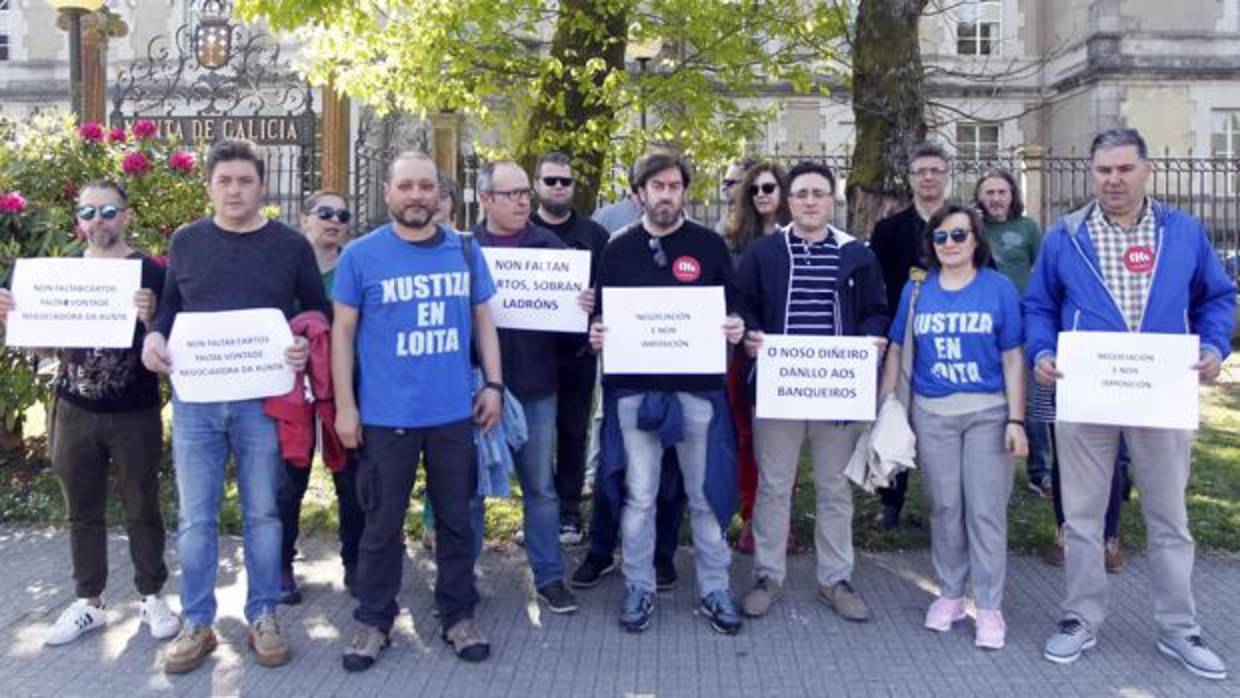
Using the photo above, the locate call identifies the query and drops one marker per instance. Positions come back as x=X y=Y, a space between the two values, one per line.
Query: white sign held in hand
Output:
x=538 y=289
x=230 y=355
x=1128 y=379
x=74 y=302
x=818 y=378
x=664 y=330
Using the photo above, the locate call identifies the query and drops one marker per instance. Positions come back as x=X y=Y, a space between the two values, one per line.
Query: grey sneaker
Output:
x=847 y=603
x=758 y=601
x=1195 y=656
x=467 y=640
x=190 y=648
x=1066 y=646
x=363 y=652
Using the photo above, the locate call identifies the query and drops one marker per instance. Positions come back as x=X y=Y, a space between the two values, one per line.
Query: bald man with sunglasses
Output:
x=106 y=413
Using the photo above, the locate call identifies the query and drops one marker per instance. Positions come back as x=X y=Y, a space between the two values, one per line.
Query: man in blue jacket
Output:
x=1126 y=262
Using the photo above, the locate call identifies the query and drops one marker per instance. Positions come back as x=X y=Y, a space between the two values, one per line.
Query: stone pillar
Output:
x=334 y=164
x=446 y=143
x=1031 y=164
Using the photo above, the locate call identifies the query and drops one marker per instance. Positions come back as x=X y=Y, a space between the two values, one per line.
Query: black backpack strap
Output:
x=467 y=251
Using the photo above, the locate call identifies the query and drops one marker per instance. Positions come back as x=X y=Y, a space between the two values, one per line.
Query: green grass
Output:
x=30 y=494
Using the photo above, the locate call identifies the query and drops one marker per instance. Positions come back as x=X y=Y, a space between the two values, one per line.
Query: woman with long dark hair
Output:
x=761 y=207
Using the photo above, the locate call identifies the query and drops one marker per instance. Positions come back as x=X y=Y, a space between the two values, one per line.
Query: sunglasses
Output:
x=660 y=257
x=558 y=181
x=729 y=183
x=958 y=235
x=107 y=212
x=326 y=213
x=765 y=188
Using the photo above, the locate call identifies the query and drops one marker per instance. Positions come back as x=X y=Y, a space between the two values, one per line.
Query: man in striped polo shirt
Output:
x=814 y=279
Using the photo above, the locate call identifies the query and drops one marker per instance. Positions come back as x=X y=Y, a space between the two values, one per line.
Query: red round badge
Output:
x=1139 y=259
x=686 y=269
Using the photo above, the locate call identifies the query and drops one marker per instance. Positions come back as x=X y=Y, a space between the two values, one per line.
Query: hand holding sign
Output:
x=232 y=355
x=73 y=302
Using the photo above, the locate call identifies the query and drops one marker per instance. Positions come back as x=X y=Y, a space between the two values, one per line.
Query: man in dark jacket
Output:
x=896 y=242
x=576 y=365
x=504 y=190
x=808 y=279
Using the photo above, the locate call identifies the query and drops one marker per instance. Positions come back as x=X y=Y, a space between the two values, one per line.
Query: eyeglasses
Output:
x=660 y=257
x=107 y=212
x=558 y=181
x=512 y=195
x=326 y=213
x=928 y=172
x=803 y=194
x=958 y=235
x=765 y=188
x=729 y=183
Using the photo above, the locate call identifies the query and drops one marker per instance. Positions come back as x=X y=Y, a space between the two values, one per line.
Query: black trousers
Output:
x=349 y=518
x=385 y=477
x=84 y=444
x=894 y=496
x=576 y=375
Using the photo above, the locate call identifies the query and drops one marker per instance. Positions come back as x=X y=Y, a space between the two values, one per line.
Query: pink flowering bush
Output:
x=135 y=163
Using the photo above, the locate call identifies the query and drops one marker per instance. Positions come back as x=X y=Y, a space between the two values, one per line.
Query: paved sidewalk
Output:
x=801 y=649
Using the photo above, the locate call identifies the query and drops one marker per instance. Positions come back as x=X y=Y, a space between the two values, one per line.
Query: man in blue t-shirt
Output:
x=409 y=300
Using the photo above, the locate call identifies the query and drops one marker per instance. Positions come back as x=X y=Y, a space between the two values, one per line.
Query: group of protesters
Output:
x=399 y=362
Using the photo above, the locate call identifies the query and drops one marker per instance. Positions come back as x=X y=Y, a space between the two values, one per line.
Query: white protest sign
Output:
x=1128 y=379
x=664 y=329
x=819 y=378
x=230 y=355
x=74 y=302
x=537 y=289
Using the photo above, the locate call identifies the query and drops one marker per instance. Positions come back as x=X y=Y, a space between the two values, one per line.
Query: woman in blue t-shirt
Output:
x=967 y=410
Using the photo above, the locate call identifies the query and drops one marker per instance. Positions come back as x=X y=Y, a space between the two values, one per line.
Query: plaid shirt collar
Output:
x=1144 y=224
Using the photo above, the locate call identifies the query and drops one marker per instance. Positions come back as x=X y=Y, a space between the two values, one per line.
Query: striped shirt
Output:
x=811 y=285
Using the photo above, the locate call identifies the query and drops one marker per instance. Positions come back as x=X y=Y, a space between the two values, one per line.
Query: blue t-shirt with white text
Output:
x=414 y=325
x=960 y=335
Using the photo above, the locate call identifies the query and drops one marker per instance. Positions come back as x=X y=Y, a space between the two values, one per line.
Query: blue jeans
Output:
x=1041 y=450
x=540 y=502
x=642 y=478
x=203 y=436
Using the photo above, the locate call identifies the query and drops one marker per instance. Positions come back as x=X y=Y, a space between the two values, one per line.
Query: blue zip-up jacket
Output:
x=1189 y=291
x=660 y=412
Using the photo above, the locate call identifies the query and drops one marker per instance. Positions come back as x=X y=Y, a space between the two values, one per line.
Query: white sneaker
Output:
x=78 y=618
x=155 y=613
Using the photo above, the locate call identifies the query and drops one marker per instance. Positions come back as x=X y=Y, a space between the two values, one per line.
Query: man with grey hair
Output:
x=504 y=190
x=1126 y=262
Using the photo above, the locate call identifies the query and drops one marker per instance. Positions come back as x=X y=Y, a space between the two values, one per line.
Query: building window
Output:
x=5 y=11
x=976 y=142
x=1225 y=134
x=978 y=24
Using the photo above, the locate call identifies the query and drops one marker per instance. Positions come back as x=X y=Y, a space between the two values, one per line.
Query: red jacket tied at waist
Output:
x=294 y=415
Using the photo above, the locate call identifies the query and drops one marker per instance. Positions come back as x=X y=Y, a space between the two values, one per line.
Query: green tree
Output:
x=552 y=74
x=889 y=106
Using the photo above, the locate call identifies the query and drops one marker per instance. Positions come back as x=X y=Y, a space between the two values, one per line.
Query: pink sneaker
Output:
x=991 y=630
x=943 y=612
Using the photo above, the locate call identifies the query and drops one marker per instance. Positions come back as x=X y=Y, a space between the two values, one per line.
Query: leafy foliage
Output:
x=42 y=165
x=552 y=74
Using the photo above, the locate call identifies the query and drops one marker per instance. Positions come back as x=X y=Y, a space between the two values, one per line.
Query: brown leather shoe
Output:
x=759 y=600
x=270 y=647
x=190 y=648
x=1113 y=557
x=1053 y=553
x=847 y=603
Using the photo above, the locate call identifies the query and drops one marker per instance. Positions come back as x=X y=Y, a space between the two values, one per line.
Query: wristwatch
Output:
x=497 y=387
